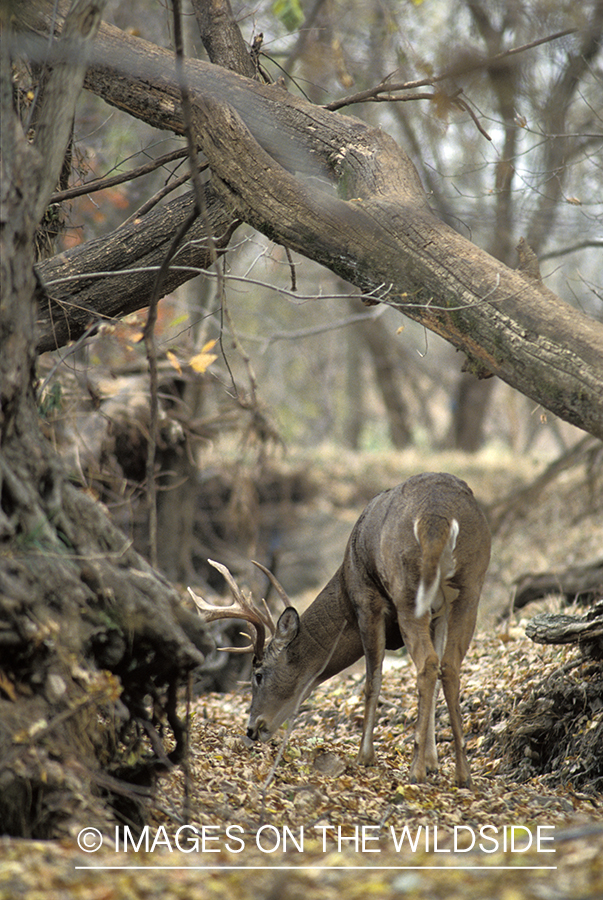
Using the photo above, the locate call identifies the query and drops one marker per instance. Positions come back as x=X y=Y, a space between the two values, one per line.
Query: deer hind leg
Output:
x=460 y=632
x=372 y=630
x=427 y=663
x=440 y=630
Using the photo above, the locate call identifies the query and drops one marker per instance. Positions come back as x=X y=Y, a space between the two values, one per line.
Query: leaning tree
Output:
x=95 y=642
x=336 y=190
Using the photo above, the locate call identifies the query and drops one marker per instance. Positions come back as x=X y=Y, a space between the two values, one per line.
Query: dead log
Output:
x=586 y=630
x=516 y=504
x=578 y=584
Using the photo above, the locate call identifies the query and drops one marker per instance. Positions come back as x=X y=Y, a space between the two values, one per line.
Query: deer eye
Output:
x=257 y=677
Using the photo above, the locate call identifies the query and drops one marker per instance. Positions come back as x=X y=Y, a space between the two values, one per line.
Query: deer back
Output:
x=428 y=528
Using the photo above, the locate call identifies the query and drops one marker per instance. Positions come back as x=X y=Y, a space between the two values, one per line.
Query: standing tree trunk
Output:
x=473 y=396
x=389 y=380
x=472 y=399
x=87 y=629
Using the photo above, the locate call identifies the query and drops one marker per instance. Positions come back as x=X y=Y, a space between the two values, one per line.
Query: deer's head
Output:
x=280 y=680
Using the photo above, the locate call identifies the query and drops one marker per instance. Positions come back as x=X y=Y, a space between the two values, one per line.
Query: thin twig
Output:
x=73 y=348
x=291 y=269
x=100 y=184
x=186 y=756
x=571 y=248
x=156 y=198
x=244 y=356
x=452 y=72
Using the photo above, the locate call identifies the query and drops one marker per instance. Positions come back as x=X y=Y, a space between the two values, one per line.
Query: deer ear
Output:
x=287 y=627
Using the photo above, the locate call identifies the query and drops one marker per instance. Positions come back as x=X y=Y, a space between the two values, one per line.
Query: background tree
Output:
x=465 y=163
x=393 y=369
x=542 y=134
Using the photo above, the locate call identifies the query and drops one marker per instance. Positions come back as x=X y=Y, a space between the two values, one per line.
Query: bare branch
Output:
x=157 y=198
x=385 y=87
x=571 y=248
x=101 y=184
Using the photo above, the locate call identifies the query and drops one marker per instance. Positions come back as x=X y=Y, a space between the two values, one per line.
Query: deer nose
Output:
x=257 y=730
x=253 y=731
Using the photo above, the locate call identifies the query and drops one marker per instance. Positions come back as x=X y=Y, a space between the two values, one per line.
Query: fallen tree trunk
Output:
x=578 y=584
x=77 y=298
x=586 y=630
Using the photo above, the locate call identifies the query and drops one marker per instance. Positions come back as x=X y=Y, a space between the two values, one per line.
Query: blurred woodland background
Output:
x=291 y=358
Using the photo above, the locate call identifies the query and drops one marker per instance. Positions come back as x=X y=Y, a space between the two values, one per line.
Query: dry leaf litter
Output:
x=317 y=799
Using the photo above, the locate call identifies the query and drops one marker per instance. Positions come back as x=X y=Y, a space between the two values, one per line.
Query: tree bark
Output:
x=586 y=630
x=78 y=294
x=221 y=36
x=345 y=195
x=88 y=631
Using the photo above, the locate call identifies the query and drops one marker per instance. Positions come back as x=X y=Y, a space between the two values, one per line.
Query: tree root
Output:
x=89 y=632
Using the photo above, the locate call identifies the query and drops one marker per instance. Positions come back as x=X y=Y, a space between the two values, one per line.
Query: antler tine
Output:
x=275 y=583
x=248 y=648
x=211 y=613
x=264 y=614
x=240 y=608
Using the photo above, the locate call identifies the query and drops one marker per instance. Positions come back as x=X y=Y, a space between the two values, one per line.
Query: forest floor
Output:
x=296 y=818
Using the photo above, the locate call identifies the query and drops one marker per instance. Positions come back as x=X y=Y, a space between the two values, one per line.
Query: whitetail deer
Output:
x=412 y=574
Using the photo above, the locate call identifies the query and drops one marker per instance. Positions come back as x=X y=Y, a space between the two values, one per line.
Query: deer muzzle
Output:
x=258 y=730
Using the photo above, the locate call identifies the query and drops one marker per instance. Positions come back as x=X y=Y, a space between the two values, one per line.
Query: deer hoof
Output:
x=365 y=759
x=464 y=781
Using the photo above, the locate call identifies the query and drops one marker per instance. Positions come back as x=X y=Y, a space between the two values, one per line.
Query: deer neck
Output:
x=329 y=631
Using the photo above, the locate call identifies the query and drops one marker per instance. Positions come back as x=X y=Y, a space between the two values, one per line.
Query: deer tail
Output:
x=437 y=539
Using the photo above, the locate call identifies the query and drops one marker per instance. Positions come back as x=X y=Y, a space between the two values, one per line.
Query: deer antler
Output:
x=242 y=607
x=275 y=583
